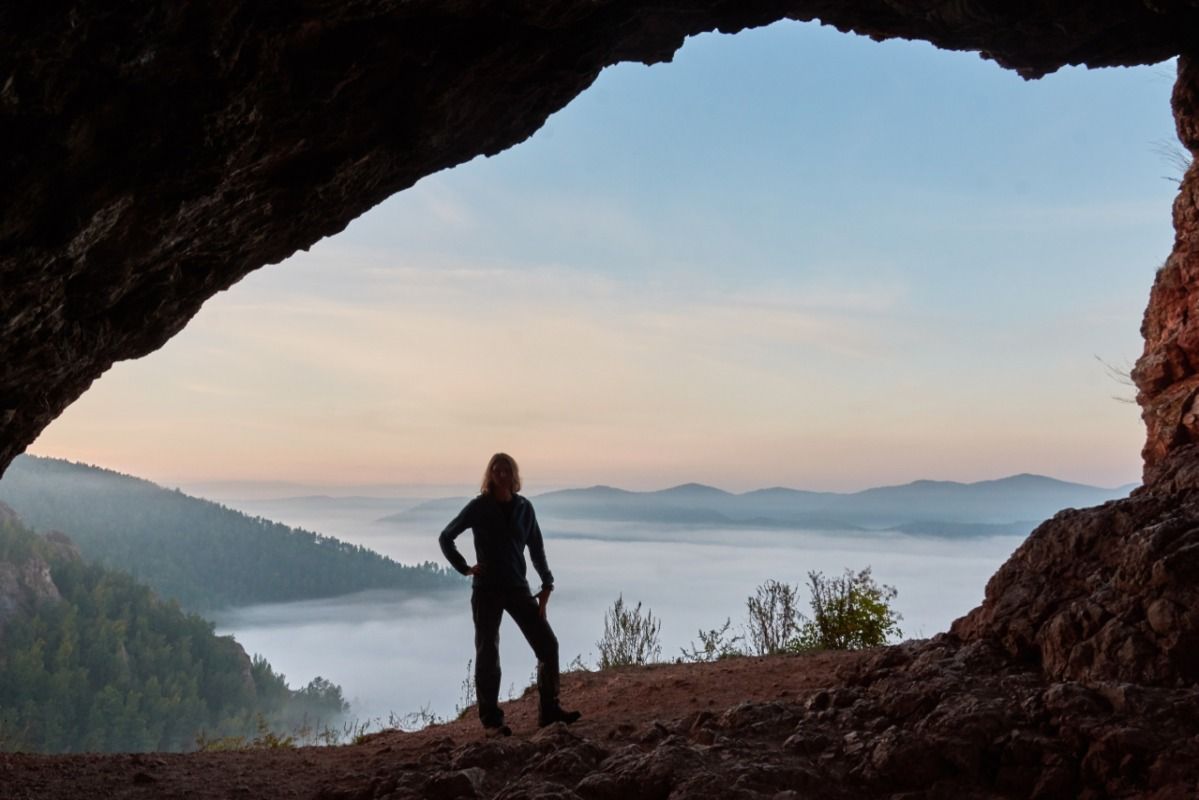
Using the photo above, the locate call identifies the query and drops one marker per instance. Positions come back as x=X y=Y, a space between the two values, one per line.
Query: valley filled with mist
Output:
x=370 y=608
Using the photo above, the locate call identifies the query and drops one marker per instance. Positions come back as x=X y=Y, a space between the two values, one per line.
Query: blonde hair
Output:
x=486 y=487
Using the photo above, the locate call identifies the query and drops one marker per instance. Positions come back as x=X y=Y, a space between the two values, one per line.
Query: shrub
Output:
x=848 y=613
x=772 y=618
x=714 y=645
x=420 y=719
x=629 y=637
x=466 y=692
x=266 y=739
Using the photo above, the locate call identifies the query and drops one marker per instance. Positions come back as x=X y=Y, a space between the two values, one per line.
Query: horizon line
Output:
x=263 y=483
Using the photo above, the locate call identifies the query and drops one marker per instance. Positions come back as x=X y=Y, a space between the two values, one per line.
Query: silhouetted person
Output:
x=504 y=524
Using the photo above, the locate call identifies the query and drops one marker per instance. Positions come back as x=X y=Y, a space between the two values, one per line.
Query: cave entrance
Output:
x=792 y=257
x=891 y=230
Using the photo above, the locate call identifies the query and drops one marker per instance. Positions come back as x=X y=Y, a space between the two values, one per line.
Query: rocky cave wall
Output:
x=1167 y=374
x=1111 y=594
x=153 y=154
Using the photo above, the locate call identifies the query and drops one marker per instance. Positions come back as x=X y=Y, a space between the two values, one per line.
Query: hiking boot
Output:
x=557 y=715
x=494 y=731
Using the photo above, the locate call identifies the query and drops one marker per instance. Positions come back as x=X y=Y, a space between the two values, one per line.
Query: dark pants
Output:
x=488 y=607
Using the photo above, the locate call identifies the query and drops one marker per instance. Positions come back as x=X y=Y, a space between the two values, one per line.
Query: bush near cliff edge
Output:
x=848 y=613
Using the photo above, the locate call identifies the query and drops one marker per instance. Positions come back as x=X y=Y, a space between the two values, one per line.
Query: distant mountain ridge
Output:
x=1014 y=503
x=203 y=554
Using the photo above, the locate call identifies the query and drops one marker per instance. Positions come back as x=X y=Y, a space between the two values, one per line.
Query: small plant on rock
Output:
x=714 y=645
x=417 y=720
x=466 y=697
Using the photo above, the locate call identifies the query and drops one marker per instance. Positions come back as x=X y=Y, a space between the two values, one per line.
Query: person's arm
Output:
x=537 y=555
x=446 y=540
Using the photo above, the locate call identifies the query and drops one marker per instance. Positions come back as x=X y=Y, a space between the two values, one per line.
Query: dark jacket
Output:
x=500 y=541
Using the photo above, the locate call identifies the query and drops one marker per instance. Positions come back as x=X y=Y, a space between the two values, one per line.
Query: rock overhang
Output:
x=154 y=155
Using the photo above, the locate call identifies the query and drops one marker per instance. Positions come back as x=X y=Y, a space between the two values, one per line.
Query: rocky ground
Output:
x=931 y=719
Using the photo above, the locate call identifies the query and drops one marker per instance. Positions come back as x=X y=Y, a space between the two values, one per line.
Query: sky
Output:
x=790 y=257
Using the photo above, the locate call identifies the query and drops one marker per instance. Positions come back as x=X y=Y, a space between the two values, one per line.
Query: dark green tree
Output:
x=110 y=666
x=200 y=553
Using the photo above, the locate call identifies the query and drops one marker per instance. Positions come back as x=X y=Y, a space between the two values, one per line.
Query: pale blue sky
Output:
x=791 y=256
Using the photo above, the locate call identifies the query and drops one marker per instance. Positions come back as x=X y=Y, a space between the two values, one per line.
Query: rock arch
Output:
x=154 y=156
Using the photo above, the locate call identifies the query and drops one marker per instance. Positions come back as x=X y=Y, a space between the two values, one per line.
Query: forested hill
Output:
x=91 y=660
x=200 y=553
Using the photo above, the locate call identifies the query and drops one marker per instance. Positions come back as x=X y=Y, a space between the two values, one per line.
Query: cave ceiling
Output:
x=155 y=153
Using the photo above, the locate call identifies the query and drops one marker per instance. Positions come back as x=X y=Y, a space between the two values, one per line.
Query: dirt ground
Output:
x=615 y=704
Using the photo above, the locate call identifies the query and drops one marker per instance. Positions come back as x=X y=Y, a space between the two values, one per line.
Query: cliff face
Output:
x=1167 y=374
x=153 y=155
x=25 y=583
x=24 y=586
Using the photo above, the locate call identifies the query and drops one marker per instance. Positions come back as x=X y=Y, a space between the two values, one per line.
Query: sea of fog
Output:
x=395 y=653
